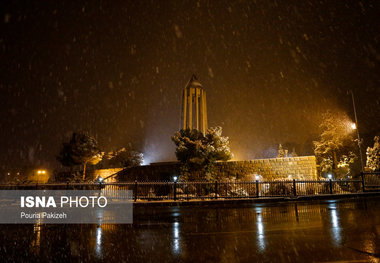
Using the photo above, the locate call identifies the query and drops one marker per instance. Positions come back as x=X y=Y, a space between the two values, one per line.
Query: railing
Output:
x=371 y=181
x=202 y=190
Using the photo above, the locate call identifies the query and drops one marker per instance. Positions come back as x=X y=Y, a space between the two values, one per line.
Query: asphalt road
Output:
x=345 y=230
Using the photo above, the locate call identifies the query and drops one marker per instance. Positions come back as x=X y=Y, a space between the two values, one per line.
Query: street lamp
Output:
x=356 y=127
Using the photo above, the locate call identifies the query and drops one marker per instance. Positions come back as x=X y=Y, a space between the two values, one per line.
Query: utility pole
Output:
x=357 y=131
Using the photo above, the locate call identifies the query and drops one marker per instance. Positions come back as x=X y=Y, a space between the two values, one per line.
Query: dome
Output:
x=193 y=82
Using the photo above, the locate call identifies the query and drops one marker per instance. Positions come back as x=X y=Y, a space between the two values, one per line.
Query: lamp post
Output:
x=356 y=127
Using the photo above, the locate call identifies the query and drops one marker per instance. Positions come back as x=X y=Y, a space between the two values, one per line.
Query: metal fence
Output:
x=371 y=181
x=203 y=190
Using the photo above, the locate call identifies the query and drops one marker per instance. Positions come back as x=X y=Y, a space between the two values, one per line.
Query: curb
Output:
x=249 y=201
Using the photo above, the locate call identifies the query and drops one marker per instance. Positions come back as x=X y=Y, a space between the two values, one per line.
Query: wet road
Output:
x=319 y=231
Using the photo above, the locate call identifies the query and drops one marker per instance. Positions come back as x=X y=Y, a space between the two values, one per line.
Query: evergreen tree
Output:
x=121 y=158
x=281 y=152
x=81 y=149
x=373 y=155
x=336 y=143
x=197 y=151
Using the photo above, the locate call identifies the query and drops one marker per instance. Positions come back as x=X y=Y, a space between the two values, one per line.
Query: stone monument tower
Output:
x=194 y=110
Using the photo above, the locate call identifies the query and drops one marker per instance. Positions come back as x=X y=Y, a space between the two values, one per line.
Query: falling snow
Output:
x=117 y=70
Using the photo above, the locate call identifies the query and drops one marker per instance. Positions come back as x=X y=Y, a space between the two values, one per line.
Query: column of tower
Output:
x=194 y=109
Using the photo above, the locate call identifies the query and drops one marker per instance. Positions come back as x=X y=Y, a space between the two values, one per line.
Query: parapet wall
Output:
x=303 y=167
x=297 y=167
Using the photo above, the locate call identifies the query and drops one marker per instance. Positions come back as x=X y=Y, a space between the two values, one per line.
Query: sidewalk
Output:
x=221 y=201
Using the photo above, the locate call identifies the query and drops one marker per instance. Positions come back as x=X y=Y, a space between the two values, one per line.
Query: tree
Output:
x=336 y=143
x=65 y=156
x=344 y=165
x=373 y=155
x=217 y=146
x=190 y=146
x=281 y=152
x=122 y=158
x=81 y=149
x=198 y=151
x=294 y=153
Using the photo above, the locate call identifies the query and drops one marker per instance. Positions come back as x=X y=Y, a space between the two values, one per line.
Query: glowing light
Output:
x=353 y=126
x=329 y=176
x=257 y=177
x=175 y=178
x=41 y=172
x=145 y=160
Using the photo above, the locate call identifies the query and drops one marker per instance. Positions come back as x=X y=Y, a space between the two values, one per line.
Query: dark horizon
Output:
x=117 y=70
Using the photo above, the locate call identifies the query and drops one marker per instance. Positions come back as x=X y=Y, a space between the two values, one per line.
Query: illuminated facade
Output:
x=194 y=110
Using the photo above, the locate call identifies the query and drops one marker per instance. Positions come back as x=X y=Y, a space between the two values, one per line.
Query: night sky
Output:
x=117 y=69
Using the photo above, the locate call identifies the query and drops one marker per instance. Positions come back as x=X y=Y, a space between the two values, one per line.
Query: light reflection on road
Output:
x=335 y=227
x=98 y=244
x=260 y=229
x=176 y=238
x=303 y=231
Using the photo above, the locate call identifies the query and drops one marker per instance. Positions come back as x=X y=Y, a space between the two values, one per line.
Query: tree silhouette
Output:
x=81 y=149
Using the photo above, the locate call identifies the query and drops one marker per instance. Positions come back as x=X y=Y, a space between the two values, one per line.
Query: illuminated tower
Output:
x=194 y=110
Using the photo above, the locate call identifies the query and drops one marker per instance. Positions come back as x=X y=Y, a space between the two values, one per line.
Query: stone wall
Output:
x=155 y=172
x=91 y=175
x=38 y=178
x=103 y=173
x=303 y=167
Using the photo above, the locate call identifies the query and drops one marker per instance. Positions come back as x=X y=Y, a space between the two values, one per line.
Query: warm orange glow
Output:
x=353 y=126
